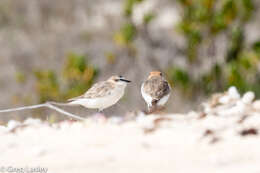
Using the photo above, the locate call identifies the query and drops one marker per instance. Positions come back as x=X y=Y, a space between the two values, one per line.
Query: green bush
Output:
x=201 y=23
x=77 y=76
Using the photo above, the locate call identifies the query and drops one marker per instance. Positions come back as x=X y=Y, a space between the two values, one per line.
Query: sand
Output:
x=222 y=137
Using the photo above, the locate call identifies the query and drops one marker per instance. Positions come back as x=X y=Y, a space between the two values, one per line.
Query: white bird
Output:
x=103 y=94
x=155 y=90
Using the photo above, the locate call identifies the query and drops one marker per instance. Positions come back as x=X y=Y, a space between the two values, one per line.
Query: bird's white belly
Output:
x=163 y=100
x=148 y=99
x=101 y=102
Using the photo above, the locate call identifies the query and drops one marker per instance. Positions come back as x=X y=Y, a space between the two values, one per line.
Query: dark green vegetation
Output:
x=77 y=76
x=202 y=23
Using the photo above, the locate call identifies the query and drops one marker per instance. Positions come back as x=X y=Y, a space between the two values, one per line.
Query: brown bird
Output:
x=155 y=90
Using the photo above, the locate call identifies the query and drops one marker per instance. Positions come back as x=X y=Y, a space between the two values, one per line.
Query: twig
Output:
x=59 y=104
x=48 y=105
x=64 y=112
x=23 y=108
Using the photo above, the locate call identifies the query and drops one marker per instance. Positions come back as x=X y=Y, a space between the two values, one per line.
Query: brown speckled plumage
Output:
x=100 y=89
x=156 y=87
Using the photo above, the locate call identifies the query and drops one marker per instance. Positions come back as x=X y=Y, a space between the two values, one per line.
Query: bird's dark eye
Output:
x=116 y=80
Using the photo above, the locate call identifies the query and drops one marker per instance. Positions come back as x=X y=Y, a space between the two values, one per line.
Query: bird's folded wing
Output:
x=100 y=89
x=157 y=88
x=76 y=98
x=163 y=89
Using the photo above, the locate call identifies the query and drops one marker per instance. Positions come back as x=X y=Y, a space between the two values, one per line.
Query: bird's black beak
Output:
x=127 y=81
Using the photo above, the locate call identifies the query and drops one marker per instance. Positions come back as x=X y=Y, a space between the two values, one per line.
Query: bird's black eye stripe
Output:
x=124 y=80
x=121 y=76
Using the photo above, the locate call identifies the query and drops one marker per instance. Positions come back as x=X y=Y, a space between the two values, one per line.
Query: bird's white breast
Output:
x=102 y=102
x=148 y=99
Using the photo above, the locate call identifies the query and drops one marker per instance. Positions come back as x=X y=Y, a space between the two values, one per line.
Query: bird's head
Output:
x=155 y=73
x=119 y=80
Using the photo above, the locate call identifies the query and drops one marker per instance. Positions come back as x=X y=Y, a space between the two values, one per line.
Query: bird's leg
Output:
x=150 y=109
x=155 y=109
x=100 y=115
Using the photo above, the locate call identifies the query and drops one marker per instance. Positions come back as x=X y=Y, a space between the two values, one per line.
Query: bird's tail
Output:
x=62 y=104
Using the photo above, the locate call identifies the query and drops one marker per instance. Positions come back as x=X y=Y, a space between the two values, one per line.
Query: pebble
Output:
x=224 y=99
x=3 y=129
x=145 y=121
x=248 y=97
x=116 y=120
x=256 y=105
x=233 y=93
x=238 y=109
x=12 y=124
x=32 y=121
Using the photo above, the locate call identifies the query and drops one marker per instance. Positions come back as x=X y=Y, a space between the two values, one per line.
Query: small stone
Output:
x=116 y=120
x=250 y=131
x=3 y=129
x=214 y=140
x=224 y=99
x=207 y=110
x=32 y=121
x=248 y=97
x=193 y=114
x=256 y=105
x=233 y=93
x=145 y=122
x=208 y=132
x=12 y=124
x=238 y=109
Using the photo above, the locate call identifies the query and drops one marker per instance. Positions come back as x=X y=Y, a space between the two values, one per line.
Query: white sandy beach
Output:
x=223 y=137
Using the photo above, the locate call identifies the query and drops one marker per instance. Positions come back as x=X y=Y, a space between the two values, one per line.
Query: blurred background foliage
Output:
x=77 y=76
x=201 y=23
x=202 y=46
